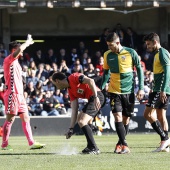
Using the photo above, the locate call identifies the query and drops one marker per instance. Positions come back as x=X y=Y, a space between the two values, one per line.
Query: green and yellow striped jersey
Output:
x=161 y=70
x=121 y=68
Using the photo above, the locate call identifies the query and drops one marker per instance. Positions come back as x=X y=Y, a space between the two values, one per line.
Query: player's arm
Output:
x=74 y=107
x=140 y=75
x=165 y=61
x=106 y=73
x=165 y=83
x=166 y=79
x=92 y=85
x=105 y=78
x=164 y=58
x=23 y=46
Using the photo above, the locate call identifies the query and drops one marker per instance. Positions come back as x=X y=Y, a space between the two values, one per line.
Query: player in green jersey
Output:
x=159 y=96
x=118 y=65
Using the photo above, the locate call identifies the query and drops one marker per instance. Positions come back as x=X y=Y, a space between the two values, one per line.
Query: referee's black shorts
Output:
x=89 y=108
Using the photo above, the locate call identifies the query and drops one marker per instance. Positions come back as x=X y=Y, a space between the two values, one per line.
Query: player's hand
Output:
x=69 y=133
x=163 y=97
x=29 y=40
x=97 y=103
x=140 y=95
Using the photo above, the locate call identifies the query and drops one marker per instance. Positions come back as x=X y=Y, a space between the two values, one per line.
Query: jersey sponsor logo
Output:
x=123 y=58
x=80 y=91
x=112 y=59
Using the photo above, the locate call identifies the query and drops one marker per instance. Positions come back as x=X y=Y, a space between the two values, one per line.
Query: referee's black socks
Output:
x=89 y=136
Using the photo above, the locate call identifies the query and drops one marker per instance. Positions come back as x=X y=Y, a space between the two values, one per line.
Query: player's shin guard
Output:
x=6 y=132
x=28 y=132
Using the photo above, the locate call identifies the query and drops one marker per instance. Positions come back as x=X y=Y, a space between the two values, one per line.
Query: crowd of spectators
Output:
x=41 y=95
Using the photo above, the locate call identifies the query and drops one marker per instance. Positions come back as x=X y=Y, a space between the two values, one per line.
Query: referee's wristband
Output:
x=95 y=96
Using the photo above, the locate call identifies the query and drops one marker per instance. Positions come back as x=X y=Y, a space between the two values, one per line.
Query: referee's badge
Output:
x=81 y=91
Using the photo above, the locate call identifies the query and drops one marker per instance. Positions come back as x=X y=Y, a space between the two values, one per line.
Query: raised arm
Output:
x=23 y=46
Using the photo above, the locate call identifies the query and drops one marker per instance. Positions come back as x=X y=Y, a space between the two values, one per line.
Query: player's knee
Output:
x=81 y=123
x=26 y=119
x=10 y=118
x=147 y=116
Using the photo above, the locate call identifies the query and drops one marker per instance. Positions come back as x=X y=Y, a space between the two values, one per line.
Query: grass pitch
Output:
x=62 y=154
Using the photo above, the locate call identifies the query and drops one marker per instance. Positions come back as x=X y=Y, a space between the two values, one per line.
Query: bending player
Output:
x=80 y=86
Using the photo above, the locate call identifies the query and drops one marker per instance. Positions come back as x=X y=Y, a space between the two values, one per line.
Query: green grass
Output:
x=62 y=154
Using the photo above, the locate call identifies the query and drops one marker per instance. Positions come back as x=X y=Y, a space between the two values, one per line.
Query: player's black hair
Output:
x=59 y=76
x=13 y=45
x=111 y=37
x=151 y=37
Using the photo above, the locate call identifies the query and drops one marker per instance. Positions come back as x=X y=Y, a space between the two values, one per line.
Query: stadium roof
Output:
x=121 y=6
x=84 y=3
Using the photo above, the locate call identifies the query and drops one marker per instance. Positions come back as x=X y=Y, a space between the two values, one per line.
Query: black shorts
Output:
x=155 y=102
x=122 y=103
x=89 y=108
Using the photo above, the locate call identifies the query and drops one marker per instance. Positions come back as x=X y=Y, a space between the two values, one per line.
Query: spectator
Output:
x=132 y=39
x=121 y=33
x=49 y=105
x=48 y=69
x=103 y=44
x=24 y=60
x=96 y=57
x=58 y=96
x=42 y=74
x=32 y=66
x=39 y=87
x=54 y=69
x=84 y=59
x=25 y=71
x=49 y=87
x=147 y=58
x=91 y=71
x=38 y=57
x=30 y=90
x=77 y=61
x=74 y=56
x=100 y=65
x=81 y=49
x=62 y=56
x=66 y=100
x=1 y=59
x=97 y=78
x=50 y=58
x=63 y=67
x=77 y=69
x=32 y=78
x=2 y=49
